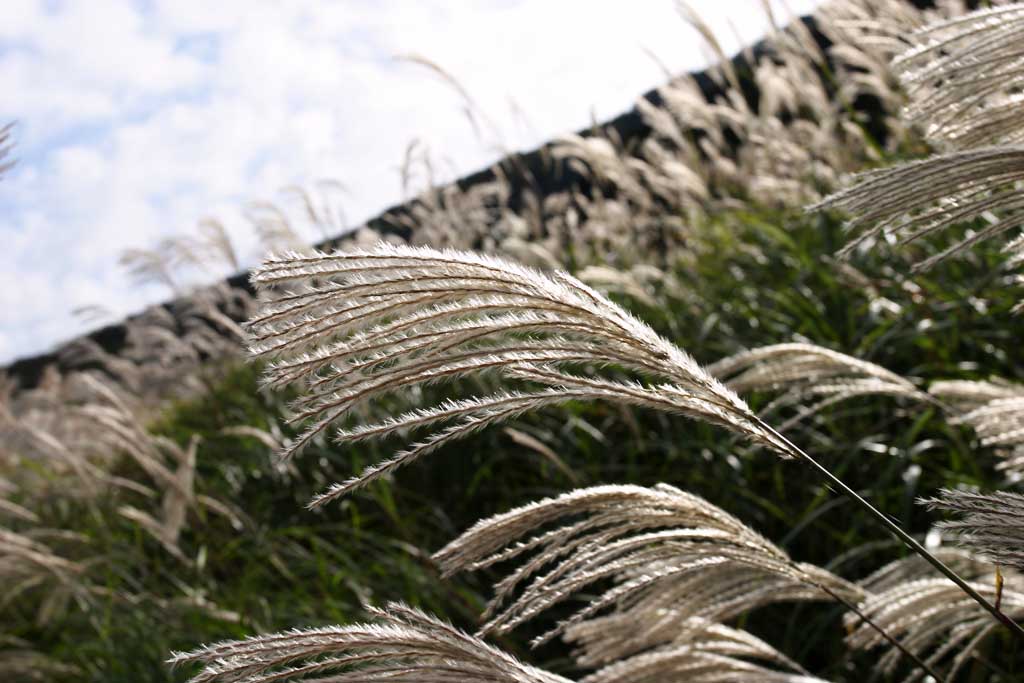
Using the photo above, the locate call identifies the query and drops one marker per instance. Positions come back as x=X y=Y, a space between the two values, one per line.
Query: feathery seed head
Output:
x=911 y=200
x=403 y=645
x=356 y=325
x=807 y=372
x=932 y=618
x=670 y=556
x=992 y=524
x=964 y=77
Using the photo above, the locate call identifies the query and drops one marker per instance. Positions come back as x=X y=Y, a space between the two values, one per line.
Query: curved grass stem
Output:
x=882 y=632
x=897 y=531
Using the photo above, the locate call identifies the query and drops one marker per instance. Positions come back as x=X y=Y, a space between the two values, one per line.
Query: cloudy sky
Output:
x=137 y=118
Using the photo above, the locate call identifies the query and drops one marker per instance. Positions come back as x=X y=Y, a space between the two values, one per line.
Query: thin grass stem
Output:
x=896 y=530
x=885 y=634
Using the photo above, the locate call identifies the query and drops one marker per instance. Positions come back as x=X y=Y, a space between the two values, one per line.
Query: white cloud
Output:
x=137 y=119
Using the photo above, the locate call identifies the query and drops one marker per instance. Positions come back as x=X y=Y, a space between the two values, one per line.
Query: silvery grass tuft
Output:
x=675 y=562
x=963 y=78
x=930 y=618
x=403 y=645
x=909 y=201
x=934 y=619
x=991 y=526
x=27 y=562
x=995 y=410
x=353 y=326
x=720 y=654
x=357 y=326
x=809 y=378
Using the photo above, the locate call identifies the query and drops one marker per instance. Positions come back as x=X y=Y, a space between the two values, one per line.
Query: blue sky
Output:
x=137 y=118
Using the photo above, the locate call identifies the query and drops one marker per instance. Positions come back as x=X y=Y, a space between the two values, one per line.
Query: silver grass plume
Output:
x=16 y=511
x=912 y=567
x=24 y=557
x=402 y=645
x=27 y=564
x=22 y=664
x=897 y=580
x=810 y=377
x=675 y=561
x=964 y=78
x=214 y=242
x=906 y=202
x=995 y=410
x=991 y=524
x=934 y=619
x=598 y=158
x=115 y=427
x=357 y=325
x=720 y=654
x=157 y=265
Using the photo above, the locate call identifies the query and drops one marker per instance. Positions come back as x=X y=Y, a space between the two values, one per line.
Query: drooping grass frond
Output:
x=864 y=39
x=157 y=265
x=909 y=201
x=274 y=227
x=999 y=422
x=321 y=206
x=992 y=524
x=877 y=28
x=27 y=564
x=215 y=242
x=21 y=554
x=117 y=430
x=12 y=509
x=995 y=410
x=597 y=157
x=966 y=395
x=358 y=325
x=933 y=619
x=402 y=645
x=720 y=654
x=809 y=376
x=673 y=560
x=475 y=114
x=363 y=324
x=913 y=567
x=964 y=78
x=22 y=664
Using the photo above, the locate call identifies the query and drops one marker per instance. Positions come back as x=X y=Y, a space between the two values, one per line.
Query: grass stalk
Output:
x=892 y=640
x=907 y=539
